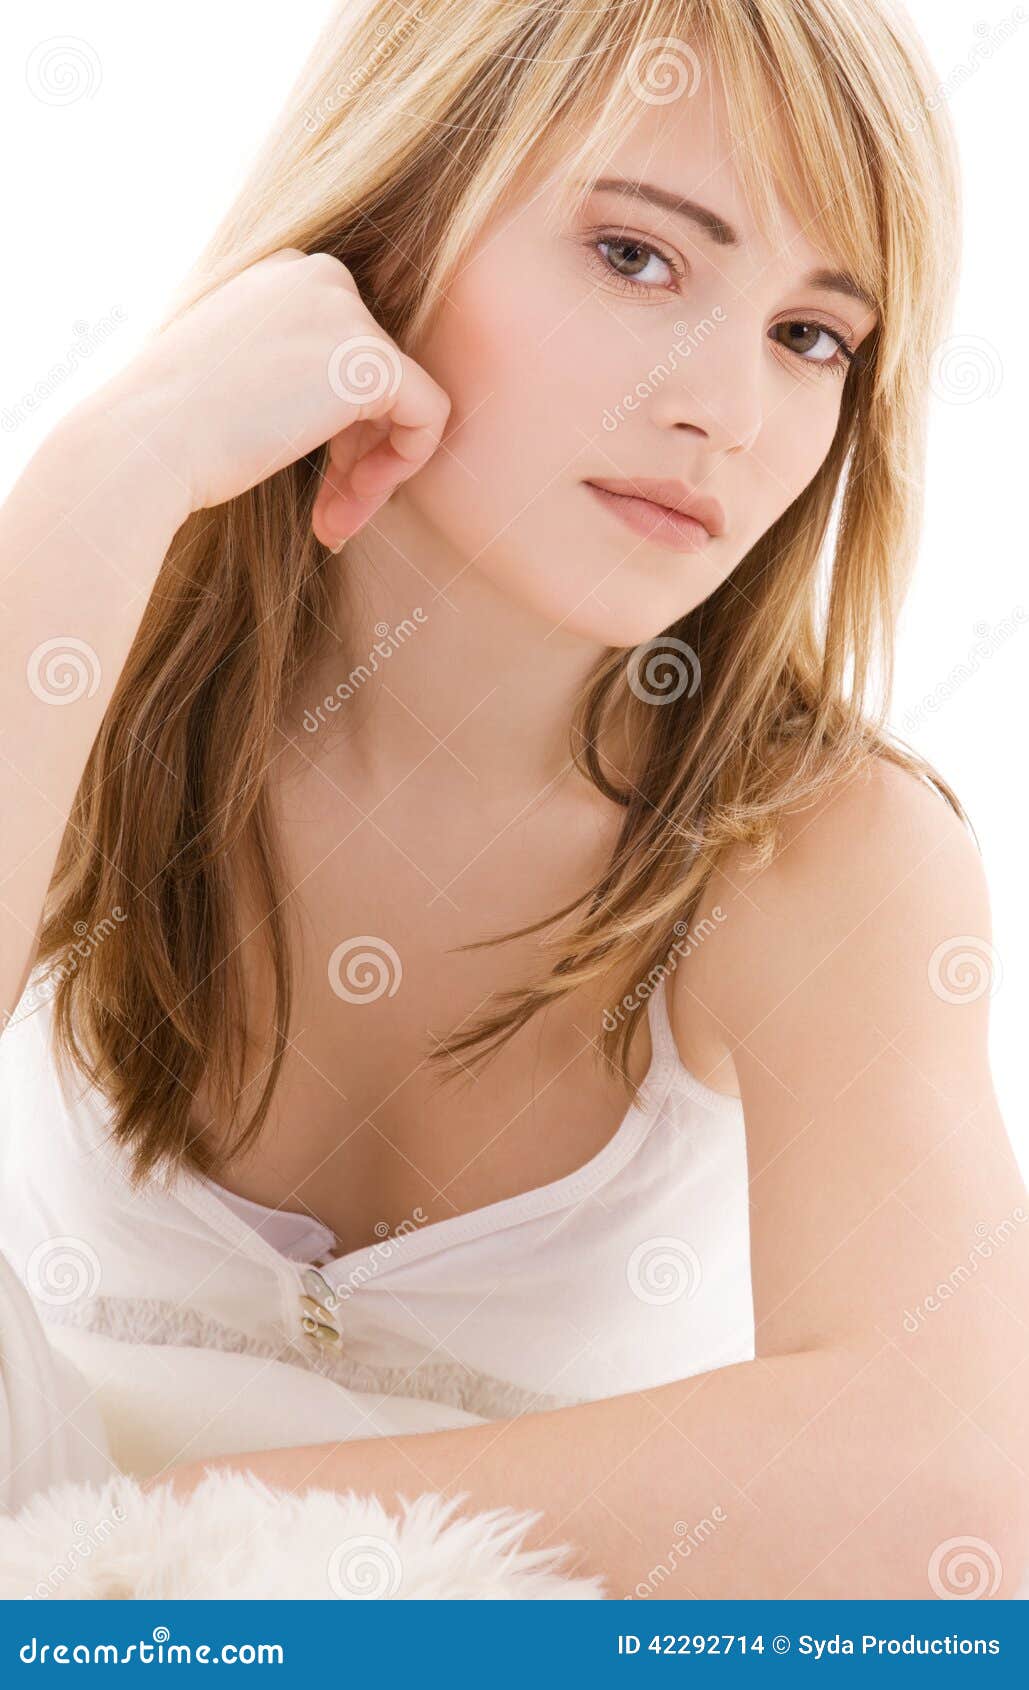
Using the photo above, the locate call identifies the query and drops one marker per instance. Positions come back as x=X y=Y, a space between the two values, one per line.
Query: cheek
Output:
x=527 y=404
x=793 y=445
x=523 y=394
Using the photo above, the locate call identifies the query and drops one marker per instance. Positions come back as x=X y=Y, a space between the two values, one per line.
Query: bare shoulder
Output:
x=876 y=827
x=876 y=903
x=877 y=880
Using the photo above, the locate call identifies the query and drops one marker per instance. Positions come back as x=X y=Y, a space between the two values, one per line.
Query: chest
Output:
x=364 y=1133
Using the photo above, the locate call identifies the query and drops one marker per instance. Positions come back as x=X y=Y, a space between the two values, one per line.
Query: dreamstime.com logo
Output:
x=87 y=1538
x=158 y=1647
x=387 y=641
x=987 y=643
x=41 y=991
x=681 y=948
x=689 y=337
x=991 y=37
x=88 y=337
x=333 y=1297
x=990 y=1240
x=390 y=38
x=687 y=1539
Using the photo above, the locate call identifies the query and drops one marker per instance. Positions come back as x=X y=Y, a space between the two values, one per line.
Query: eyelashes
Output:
x=636 y=249
x=629 y=244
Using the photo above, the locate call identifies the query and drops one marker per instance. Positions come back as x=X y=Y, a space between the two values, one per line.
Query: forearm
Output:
x=807 y=1475
x=83 y=534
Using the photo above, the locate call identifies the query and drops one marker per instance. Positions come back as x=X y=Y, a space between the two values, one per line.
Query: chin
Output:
x=630 y=602
x=626 y=629
x=611 y=611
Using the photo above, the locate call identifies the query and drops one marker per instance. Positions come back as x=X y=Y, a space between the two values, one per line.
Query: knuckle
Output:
x=323 y=263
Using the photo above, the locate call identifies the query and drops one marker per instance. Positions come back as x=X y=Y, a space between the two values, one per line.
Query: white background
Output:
x=110 y=195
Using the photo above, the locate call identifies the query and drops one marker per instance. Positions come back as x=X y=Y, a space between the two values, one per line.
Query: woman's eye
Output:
x=803 y=338
x=638 y=267
x=634 y=262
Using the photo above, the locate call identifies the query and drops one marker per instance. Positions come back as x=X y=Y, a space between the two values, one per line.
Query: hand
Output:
x=266 y=368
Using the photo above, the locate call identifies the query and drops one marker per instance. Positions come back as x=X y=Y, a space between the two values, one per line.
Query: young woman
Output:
x=494 y=949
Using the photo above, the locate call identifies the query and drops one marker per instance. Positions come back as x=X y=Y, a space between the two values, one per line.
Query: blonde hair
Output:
x=405 y=130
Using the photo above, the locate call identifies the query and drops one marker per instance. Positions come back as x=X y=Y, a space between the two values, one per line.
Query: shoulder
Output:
x=875 y=902
x=868 y=882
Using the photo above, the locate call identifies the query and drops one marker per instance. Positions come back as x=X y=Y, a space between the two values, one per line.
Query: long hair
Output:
x=401 y=135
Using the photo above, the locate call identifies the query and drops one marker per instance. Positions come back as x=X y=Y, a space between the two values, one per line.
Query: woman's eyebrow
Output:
x=723 y=233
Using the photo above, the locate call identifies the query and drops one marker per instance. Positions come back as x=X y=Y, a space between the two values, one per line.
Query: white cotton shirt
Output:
x=628 y=1273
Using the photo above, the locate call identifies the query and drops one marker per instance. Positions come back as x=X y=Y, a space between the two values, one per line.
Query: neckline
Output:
x=373 y=1261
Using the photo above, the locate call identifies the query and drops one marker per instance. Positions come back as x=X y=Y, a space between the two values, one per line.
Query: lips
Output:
x=671 y=495
x=660 y=525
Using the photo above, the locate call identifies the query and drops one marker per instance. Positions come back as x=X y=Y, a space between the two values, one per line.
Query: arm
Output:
x=855 y=1455
x=234 y=390
x=82 y=537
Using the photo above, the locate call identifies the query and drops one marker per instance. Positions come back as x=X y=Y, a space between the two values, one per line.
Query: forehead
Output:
x=685 y=144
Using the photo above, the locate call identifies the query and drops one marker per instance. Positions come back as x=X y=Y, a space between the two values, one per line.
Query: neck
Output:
x=432 y=659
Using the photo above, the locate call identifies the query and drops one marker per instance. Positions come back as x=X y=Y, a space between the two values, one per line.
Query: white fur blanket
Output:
x=83 y=1418
x=235 y=1537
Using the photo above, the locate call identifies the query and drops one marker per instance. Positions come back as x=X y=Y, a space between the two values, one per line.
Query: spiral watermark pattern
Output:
x=662 y=1270
x=365 y=1566
x=63 y=70
x=965 y=368
x=63 y=670
x=663 y=669
x=373 y=969
x=662 y=70
x=63 y=1270
x=963 y=968
x=364 y=369
x=965 y=1569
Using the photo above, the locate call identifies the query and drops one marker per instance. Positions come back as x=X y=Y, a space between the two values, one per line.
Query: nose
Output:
x=714 y=388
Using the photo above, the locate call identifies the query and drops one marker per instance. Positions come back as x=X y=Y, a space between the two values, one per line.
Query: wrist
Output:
x=115 y=441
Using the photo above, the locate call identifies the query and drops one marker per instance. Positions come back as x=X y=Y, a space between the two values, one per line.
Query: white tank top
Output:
x=628 y=1273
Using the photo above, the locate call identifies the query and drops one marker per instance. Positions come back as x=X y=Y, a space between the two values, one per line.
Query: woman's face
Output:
x=633 y=344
